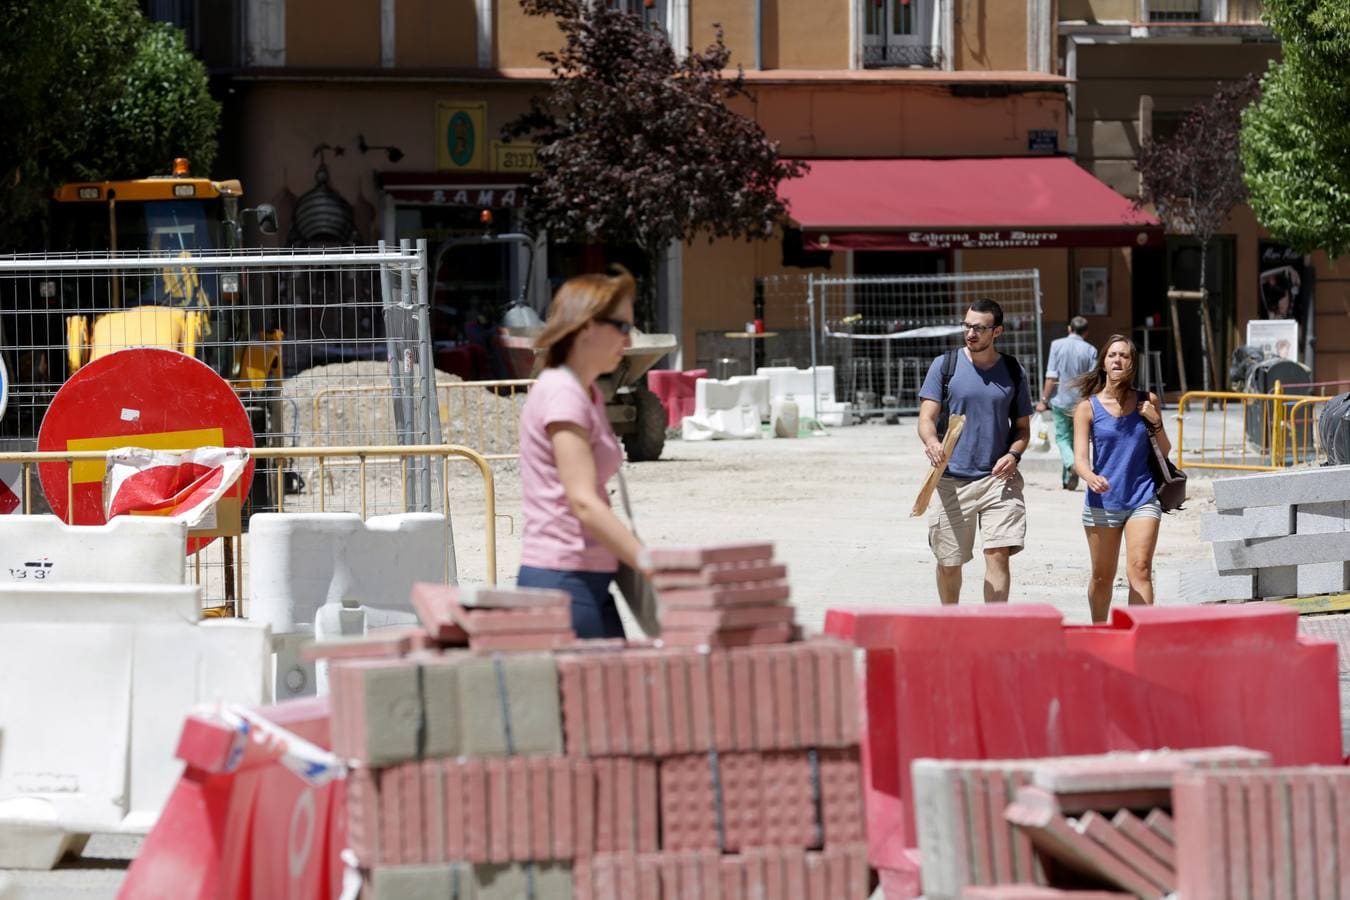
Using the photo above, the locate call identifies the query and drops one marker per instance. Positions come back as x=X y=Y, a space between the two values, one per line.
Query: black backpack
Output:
x=949 y=360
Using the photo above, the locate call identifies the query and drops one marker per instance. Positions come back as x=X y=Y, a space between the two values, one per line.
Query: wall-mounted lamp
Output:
x=393 y=153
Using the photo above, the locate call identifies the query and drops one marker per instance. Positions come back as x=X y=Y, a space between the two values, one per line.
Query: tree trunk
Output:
x=645 y=312
x=1206 y=351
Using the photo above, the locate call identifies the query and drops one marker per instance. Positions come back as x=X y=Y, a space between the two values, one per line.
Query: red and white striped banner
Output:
x=183 y=486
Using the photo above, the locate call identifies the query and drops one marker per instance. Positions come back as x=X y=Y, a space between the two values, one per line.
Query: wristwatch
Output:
x=1015 y=455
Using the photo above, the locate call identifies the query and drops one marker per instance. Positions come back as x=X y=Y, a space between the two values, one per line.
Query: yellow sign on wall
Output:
x=461 y=136
x=516 y=156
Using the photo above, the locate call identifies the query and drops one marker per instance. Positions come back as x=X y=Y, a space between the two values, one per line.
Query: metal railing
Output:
x=482 y=414
x=1274 y=431
x=219 y=567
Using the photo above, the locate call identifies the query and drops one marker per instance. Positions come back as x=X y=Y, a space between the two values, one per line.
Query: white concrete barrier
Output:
x=95 y=680
x=138 y=549
x=323 y=574
x=813 y=399
x=733 y=408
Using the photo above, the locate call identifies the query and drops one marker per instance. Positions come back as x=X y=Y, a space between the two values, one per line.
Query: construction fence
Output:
x=881 y=333
x=331 y=351
x=1249 y=432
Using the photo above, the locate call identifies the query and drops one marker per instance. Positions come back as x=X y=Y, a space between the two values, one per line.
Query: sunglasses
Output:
x=622 y=326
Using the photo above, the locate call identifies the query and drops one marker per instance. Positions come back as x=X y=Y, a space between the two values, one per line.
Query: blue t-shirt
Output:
x=984 y=397
x=1070 y=357
x=1120 y=455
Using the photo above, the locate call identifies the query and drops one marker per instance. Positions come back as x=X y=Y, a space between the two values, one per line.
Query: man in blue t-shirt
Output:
x=1070 y=357
x=981 y=486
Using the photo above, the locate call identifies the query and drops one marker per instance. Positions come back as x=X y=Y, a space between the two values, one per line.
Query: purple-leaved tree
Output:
x=1193 y=178
x=639 y=147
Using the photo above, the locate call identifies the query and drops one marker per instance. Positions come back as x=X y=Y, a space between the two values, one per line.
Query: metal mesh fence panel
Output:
x=285 y=329
x=881 y=333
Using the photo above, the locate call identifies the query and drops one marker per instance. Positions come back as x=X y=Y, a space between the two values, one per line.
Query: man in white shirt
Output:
x=1070 y=356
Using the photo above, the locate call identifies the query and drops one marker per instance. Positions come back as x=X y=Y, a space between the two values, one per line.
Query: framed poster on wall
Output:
x=1093 y=291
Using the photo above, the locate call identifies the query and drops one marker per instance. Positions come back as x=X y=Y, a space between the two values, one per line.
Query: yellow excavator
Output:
x=176 y=308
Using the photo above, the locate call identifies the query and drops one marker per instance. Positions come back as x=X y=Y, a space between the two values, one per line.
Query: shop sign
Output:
x=514 y=157
x=1042 y=140
x=461 y=130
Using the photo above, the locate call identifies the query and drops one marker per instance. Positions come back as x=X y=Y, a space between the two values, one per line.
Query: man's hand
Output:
x=1005 y=468
x=1041 y=406
x=1097 y=484
x=933 y=450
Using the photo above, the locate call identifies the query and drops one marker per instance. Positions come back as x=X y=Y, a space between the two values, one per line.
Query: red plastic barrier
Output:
x=1014 y=682
x=245 y=828
x=676 y=391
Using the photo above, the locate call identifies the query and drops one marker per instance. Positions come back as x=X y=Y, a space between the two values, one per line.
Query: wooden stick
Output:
x=955 y=425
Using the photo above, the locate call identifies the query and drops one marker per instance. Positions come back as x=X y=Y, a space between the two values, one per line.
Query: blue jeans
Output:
x=594 y=614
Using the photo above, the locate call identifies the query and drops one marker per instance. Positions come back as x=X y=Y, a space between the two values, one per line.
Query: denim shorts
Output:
x=1116 y=518
x=594 y=613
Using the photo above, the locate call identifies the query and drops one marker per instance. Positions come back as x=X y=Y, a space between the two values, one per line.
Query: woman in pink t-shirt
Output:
x=572 y=539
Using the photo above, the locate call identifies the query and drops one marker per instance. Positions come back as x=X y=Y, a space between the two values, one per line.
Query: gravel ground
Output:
x=837 y=507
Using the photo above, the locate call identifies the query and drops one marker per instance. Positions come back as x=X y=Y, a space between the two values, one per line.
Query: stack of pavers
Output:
x=601 y=769
x=1281 y=534
x=1008 y=826
x=1264 y=833
x=1278 y=534
x=728 y=596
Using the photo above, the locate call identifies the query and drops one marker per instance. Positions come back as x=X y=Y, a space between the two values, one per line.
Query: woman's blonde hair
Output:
x=1094 y=381
x=581 y=300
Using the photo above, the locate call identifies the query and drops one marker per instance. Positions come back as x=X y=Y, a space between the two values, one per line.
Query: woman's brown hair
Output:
x=1092 y=382
x=581 y=300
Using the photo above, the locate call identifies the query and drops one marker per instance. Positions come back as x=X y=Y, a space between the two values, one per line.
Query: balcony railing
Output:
x=1206 y=12
x=899 y=56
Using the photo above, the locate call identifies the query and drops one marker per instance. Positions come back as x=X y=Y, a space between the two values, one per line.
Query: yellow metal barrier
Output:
x=1286 y=423
x=1305 y=452
x=232 y=548
x=502 y=432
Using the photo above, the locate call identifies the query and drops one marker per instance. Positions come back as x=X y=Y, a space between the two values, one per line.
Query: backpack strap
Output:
x=949 y=361
x=1015 y=376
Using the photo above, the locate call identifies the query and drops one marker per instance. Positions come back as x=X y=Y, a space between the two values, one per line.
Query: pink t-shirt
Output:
x=553 y=537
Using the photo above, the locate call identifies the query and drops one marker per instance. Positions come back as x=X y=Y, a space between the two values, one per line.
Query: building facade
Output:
x=859 y=80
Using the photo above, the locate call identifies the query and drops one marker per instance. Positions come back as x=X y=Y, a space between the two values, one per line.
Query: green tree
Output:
x=638 y=147
x=1296 y=138
x=90 y=90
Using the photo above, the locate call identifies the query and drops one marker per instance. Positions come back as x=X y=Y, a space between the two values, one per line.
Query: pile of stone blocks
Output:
x=1011 y=825
x=728 y=596
x=1264 y=833
x=1277 y=534
x=602 y=769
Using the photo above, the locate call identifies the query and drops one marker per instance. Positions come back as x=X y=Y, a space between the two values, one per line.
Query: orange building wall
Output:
x=436 y=33
x=990 y=35
x=843 y=120
x=737 y=18
x=518 y=38
x=805 y=34
x=317 y=37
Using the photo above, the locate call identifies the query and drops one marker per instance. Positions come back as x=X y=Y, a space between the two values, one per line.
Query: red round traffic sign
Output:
x=142 y=397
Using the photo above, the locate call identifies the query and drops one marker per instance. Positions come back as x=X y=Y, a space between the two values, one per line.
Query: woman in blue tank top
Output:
x=1112 y=427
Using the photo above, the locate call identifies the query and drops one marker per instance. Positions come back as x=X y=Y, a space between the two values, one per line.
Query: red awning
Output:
x=961 y=204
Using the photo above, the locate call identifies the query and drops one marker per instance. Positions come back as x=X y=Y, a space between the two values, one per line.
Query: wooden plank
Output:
x=1318 y=603
x=955 y=425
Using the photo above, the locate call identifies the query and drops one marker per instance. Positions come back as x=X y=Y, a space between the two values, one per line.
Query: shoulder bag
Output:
x=636 y=588
x=1167 y=478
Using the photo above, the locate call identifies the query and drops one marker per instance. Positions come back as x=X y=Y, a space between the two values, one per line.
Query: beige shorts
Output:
x=995 y=507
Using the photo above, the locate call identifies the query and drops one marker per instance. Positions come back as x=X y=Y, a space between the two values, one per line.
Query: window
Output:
x=899 y=33
x=651 y=11
x=1177 y=11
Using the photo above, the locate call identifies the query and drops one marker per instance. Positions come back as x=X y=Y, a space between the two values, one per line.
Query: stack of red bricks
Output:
x=733 y=595
x=1102 y=820
x=604 y=770
x=733 y=767
x=1264 y=833
x=489 y=618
